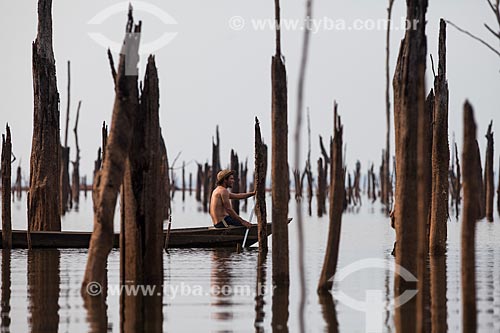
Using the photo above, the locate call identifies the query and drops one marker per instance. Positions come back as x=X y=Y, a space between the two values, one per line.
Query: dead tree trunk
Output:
x=357 y=181
x=337 y=190
x=424 y=192
x=235 y=165
x=498 y=190
x=279 y=170
x=43 y=201
x=309 y=188
x=206 y=187
x=190 y=184
x=216 y=167
x=260 y=187
x=489 y=182
x=141 y=237
x=458 y=184
x=320 y=194
x=6 y=189
x=409 y=101
x=19 y=183
x=440 y=153
x=199 y=182
x=76 y=164
x=183 y=181
x=386 y=182
x=64 y=182
x=109 y=179
x=479 y=175
x=165 y=180
x=470 y=215
x=244 y=182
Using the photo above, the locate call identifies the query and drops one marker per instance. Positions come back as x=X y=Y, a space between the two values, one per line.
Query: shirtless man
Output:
x=221 y=211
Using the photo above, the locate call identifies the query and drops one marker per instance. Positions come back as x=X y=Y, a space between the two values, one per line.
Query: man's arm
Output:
x=239 y=196
x=229 y=209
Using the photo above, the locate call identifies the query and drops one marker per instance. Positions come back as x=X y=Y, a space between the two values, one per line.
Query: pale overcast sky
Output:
x=212 y=74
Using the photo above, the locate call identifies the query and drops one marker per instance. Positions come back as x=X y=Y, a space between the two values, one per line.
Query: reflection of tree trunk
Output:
x=43 y=289
x=337 y=194
x=438 y=294
x=6 y=189
x=279 y=308
x=220 y=279
x=472 y=196
x=97 y=313
x=6 y=283
x=409 y=103
x=260 y=291
x=43 y=201
x=329 y=312
x=260 y=187
x=489 y=182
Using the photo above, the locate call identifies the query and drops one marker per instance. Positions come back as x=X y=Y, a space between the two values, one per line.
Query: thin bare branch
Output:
x=474 y=37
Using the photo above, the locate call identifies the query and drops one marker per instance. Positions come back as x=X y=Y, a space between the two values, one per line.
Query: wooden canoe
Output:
x=202 y=237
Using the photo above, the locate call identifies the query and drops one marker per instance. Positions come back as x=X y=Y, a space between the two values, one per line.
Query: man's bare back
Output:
x=220 y=203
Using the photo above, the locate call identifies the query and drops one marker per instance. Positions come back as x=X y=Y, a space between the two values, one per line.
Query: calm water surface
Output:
x=208 y=290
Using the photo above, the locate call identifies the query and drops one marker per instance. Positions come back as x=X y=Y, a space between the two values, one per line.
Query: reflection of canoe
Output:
x=188 y=237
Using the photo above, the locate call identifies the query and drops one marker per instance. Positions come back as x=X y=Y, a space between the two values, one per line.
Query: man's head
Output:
x=225 y=178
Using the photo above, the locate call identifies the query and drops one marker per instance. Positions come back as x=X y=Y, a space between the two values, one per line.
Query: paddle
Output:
x=248 y=229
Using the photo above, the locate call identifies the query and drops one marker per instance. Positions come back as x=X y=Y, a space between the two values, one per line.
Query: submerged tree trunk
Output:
x=498 y=190
x=141 y=244
x=337 y=192
x=489 y=182
x=481 y=198
x=424 y=188
x=43 y=201
x=244 y=182
x=6 y=189
x=199 y=182
x=279 y=170
x=109 y=179
x=260 y=187
x=206 y=187
x=470 y=215
x=386 y=182
x=164 y=180
x=65 y=198
x=235 y=165
x=409 y=103
x=440 y=153
x=76 y=164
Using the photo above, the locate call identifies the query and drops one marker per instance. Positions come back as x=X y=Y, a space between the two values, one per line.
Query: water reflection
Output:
x=220 y=281
x=6 y=283
x=43 y=289
x=438 y=293
x=260 y=291
x=329 y=313
x=279 y=308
